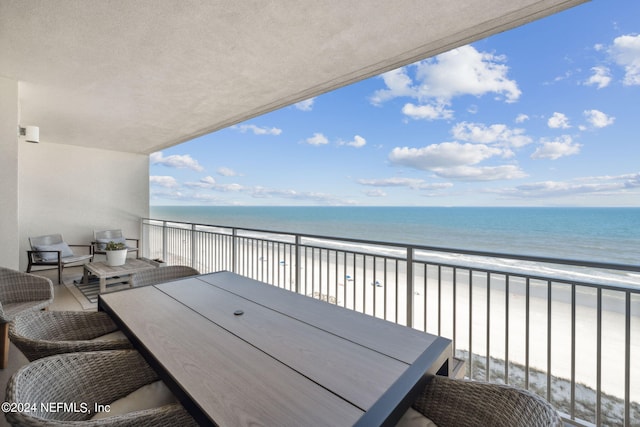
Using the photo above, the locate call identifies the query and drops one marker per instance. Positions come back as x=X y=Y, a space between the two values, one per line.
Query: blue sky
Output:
x=547 y=114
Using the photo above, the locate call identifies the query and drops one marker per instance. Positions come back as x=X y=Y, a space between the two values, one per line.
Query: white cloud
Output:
x=626 y=53
x=257 y=130
x=224 y=171
x=562 y=77
x=413 y=183
x=427 y=112
x=175 y=161
x=306 y=105
x=393 y=182
x=357 y=142
x=206 y=182
x=164 y=194
x=484 y=173
x=598 y=184
x=163 y=181
x=558 y=121
x=475 y=143
x=446 y=154
x=522 y=118
x=324 y=198
x=465 y=71
x=598 y=119
x=230 y=187
x=398 y=83
x=375 y=193
x=601 y=77
x=207 y=198
x=563 y=146
x=459 y=72
x=496 y=133
x=317 y=139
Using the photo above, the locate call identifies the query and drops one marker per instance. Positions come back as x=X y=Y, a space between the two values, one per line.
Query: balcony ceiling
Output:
x=143 y=75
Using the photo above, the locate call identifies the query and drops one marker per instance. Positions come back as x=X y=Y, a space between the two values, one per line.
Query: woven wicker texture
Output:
x=22 y=291
x=162 y=274
x=45 y=333
x=93 y=377
x=460 y=403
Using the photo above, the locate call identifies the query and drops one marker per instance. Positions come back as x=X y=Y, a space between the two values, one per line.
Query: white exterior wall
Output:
x=75 y=190
x=50 y=188
x=10 y=248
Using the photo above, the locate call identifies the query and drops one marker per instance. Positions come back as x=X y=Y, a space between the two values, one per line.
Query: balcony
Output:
x=567 y=330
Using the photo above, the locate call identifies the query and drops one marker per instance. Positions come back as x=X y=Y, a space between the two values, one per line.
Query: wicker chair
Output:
x=45 y=333
x=19 y=292
x=162 y=274
x=100 y=377
x=462 y=403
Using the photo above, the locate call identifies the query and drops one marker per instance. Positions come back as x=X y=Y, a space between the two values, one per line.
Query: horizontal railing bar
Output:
x=619 y=287
x=313 y=265
x=548 y=260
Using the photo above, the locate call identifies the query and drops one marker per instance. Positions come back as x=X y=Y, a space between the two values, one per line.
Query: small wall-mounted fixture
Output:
x=30 y=133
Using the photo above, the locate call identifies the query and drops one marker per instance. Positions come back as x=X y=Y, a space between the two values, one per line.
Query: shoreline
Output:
x=329 y=282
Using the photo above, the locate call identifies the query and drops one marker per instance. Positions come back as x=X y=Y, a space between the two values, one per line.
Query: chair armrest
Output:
x=447 y=401
x=33 y=257
x=134 y=240
x=16 y=286
x=89 y=247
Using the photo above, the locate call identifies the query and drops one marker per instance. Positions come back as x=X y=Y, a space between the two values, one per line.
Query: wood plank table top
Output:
x=239 y=352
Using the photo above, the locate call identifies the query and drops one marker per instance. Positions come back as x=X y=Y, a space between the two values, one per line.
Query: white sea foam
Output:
x=328 y=280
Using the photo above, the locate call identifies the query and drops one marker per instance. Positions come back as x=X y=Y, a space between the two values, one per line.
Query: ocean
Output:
x=609 y=235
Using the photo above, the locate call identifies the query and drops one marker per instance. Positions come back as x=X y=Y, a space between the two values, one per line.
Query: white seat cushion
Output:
x=65 y=251
x=149 y=396
x=113 y=336
x=413 y=418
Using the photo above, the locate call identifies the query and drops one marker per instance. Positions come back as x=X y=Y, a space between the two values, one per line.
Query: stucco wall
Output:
x=74 y=190
x=9 y=249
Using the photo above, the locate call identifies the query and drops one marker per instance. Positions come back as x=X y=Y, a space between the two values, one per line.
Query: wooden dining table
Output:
x=238 y=352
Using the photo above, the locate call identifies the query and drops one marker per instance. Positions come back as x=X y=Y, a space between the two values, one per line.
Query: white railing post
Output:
x=234 y=246
x=194 y=247
x=164 y=241
x=409 y=286
x=298 y=263
x=516 y=285
x=142 y=245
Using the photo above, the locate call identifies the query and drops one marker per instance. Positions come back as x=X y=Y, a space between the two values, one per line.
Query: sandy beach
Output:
x=370 y=285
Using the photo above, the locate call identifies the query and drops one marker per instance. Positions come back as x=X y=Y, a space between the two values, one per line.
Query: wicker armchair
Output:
x=45 y=333
x=162 y=274
x=462 y=403
x=19 y=292
x=91 y=378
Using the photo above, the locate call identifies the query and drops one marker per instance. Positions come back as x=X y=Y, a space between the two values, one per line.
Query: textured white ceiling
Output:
x=144 y=75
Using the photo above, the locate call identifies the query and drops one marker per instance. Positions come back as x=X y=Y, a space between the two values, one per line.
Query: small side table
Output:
x=107 y=273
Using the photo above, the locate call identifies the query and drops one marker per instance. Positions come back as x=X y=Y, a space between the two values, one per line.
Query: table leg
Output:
x=4 y=345
x=103 y=284
x=85 y=278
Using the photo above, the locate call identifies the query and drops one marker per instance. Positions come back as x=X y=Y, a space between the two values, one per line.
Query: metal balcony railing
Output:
x=567 y=330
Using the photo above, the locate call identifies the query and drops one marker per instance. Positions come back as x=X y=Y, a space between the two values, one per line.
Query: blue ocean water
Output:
x=591 y=234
